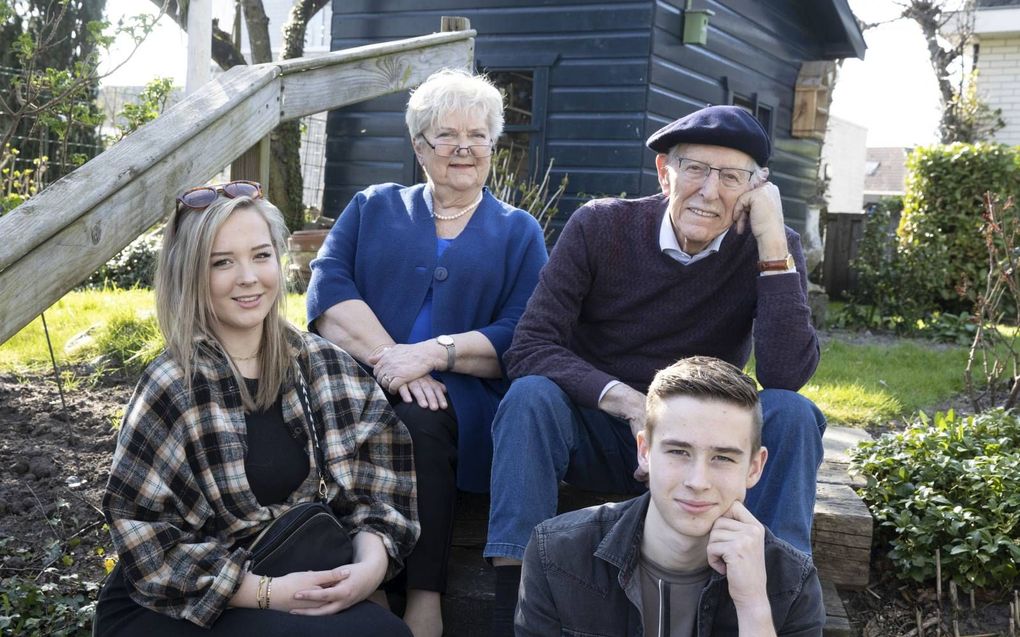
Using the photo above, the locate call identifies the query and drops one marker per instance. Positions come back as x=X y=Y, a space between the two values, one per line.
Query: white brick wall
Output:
x=999 y=82
x=843 y=157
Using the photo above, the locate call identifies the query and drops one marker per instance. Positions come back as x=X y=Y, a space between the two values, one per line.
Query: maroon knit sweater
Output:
x=610 y=305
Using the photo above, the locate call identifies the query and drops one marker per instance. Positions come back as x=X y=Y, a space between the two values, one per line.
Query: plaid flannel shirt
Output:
x=178 y=502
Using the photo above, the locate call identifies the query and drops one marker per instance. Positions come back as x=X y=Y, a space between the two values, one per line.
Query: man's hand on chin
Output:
x=761 y=209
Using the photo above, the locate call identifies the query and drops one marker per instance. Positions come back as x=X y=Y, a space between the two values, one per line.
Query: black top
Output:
x=276 y=463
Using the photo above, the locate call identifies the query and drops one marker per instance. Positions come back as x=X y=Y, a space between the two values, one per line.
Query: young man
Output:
x=686 y=558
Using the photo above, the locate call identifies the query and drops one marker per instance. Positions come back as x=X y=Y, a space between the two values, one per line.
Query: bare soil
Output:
x=54 y=463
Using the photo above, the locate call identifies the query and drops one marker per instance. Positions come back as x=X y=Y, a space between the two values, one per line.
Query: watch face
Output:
x=444 y=340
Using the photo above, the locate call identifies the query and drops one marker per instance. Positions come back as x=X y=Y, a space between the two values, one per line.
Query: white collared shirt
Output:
x=671 y=247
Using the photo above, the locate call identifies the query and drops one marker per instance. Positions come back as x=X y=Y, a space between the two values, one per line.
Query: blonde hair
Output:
x=454 y=91
x=184 y=306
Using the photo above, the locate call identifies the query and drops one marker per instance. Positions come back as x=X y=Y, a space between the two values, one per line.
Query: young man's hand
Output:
x=736 y=548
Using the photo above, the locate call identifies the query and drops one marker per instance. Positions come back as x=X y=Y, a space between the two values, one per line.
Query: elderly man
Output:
x=706 y=268
x=655 y=565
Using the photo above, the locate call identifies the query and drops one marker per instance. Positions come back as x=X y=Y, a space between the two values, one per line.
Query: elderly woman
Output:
x=213 y=447
x=425 y=284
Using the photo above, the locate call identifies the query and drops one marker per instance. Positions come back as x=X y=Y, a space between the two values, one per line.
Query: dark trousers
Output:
x=118 y=615
x=434 y=436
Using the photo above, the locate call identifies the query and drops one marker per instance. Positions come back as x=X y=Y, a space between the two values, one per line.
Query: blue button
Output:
x=441 y=273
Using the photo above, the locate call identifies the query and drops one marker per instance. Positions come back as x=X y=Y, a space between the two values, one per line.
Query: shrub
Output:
x=523 y=191
x=126 y=341
x=134 y=266
x=943 y=208
x=886 y=271
x=57 y=609
x=949 y=485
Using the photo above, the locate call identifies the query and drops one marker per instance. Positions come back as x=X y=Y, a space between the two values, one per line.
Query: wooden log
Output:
x=841 y=536
x=837 y=473
x=837 y=624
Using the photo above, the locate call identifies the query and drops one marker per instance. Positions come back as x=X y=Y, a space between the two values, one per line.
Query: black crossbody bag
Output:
x=308 y=537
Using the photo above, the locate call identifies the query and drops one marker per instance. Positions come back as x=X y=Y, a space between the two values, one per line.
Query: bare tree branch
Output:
x=224 y=53
x=297 y=25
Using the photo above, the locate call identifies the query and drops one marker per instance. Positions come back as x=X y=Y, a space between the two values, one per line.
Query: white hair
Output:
x=450 y=91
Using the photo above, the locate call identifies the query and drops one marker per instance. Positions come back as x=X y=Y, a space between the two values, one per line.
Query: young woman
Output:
x=214 y=446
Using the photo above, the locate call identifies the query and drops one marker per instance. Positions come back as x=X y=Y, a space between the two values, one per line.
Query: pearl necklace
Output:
x=459 y=214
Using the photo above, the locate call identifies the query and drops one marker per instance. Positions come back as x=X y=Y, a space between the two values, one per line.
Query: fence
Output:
x=843 y=232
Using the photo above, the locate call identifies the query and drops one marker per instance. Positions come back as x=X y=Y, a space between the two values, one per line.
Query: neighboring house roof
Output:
x=997 y=18
x=885 y=170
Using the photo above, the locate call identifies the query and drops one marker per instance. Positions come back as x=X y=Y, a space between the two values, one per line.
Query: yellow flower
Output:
x=109 y=563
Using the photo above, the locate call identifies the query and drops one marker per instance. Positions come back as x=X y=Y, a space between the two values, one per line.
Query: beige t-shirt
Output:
x=669 y=599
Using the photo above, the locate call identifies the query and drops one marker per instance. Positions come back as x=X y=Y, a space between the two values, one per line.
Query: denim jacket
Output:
x=580 y=578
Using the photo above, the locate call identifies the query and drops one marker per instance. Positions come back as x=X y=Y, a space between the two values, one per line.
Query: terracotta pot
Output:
x=303 y=246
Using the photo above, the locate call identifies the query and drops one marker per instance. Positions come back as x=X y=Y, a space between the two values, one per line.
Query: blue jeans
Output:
x=540 y=437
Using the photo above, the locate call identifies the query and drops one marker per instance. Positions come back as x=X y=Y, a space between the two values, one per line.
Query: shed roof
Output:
x=841 y=29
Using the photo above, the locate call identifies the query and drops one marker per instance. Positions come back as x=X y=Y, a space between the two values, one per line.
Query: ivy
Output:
x=948 y=485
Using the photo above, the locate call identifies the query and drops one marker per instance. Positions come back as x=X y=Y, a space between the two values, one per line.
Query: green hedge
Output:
x=942 y=213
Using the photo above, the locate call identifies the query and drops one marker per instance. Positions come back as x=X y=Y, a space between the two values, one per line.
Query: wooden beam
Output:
x=57 y=238
x=330 y=87
x=53 y=268
x=74 y=195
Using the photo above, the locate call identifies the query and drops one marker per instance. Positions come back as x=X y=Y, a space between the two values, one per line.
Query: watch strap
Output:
x=777 y=265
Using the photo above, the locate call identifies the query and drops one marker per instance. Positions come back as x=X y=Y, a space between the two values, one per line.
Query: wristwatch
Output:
x=778 y=265
x=451 y=350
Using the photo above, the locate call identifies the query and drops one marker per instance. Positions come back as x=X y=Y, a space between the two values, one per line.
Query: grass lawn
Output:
x=856 y=384
x=860 y=384
x=78 y=311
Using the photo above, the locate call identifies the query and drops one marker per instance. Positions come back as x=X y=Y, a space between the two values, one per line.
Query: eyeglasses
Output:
x=449 y=150
x=201 y=197
x=698 y=172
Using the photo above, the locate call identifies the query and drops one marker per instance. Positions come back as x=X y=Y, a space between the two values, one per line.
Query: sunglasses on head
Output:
x=201 y=197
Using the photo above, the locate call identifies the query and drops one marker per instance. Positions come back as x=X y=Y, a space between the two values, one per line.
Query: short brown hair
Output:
x=706 y=378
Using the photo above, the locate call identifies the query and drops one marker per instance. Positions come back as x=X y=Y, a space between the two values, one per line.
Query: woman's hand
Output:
x=428 y=392
x=398 y=365
x=344 y=587
x=353 y=583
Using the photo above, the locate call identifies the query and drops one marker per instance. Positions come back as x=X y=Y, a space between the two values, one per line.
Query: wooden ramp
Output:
x=841 y=541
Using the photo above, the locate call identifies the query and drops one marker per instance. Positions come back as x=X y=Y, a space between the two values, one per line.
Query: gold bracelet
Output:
x=260 y=593
x=269 y=591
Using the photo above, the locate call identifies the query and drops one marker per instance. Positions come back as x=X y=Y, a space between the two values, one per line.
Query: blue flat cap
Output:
x=729 y=126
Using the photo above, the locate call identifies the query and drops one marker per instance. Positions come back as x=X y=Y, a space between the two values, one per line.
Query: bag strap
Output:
x=320 y=458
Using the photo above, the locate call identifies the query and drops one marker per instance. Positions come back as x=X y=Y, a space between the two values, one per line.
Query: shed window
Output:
x=518 y=87
x=755 y=107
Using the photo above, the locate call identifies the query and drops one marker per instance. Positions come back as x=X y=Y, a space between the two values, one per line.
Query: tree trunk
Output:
x=258 y=31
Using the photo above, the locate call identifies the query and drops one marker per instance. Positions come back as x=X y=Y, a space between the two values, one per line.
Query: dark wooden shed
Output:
x=589 y=80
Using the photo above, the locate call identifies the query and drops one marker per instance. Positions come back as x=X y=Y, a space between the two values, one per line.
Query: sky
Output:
x=892 y=92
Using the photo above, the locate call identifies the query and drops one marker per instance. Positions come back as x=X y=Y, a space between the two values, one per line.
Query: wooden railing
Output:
x=54 y=241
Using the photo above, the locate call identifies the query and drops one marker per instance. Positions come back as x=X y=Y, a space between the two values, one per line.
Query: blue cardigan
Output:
x=382 y=251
